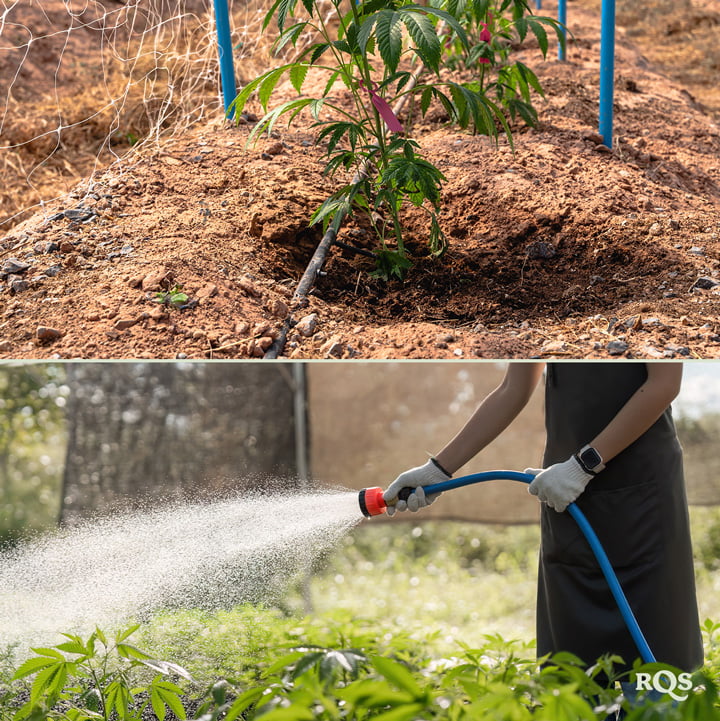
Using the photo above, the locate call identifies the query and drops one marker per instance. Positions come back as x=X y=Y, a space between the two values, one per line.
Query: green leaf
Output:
x=297 y=76
x=50 y=652
x=166 y=667
x=158 y=706
x=32 y=665
x=317 y=52
x=289 y=35
x=122 y=635
x=172 y=701
x=427 y=43
x=411 y=710
x=540 y=34
x=243 y=702
x=425 y=99
x=388 y=32
x=284 y=8
x=397 y=674
x=127 y=651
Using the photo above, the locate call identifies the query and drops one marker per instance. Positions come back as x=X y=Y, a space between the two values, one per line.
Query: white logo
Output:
x=665 y=681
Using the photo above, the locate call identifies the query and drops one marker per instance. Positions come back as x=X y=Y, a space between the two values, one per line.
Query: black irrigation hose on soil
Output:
x=306 y=282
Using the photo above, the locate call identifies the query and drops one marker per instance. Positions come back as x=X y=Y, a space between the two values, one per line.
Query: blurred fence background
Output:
x=79 y=438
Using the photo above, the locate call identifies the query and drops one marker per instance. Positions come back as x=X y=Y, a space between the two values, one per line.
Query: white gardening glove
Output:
x=414 y=478
x=559 y=485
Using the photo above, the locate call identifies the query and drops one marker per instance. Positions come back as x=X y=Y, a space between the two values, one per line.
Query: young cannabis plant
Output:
x=362 y=49
x=494 y=28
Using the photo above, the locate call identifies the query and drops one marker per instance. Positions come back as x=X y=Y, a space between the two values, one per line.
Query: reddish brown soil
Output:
x=558 y=250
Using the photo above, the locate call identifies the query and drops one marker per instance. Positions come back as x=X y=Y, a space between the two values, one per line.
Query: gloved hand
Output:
x=414 y=478
x=559 y=485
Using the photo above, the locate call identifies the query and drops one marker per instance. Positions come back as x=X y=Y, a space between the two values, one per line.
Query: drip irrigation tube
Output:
x=373 y=503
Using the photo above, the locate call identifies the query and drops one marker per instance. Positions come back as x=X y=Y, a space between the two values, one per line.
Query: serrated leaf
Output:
x=166 y=667
x=427 y=43
x=388 y=32
x=539 y=32
x=426 y=99
x=50 y=652
x=290 y=35
x=297 y=76
x=32 y=665
x=284 y=8
x=172 y=701
x=157 y=704
x=317 y=52
x=269 y=82
x=72 y=647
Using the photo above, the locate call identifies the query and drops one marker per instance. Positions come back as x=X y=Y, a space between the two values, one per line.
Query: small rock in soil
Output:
x=279 y=309
x=333 y=348
x=540 y=250
x=274 y=148
x=5 y=346
x=705 y=283
x=261 y=329
x=249 y=287
x=266 y=156
x=19 y=285
x=53 y=270
x=264 y=343
x=308 y=325
x=555 y=346
x=124 y=323
x=207 y=291
x=45 y=334
x=616 y=347
x=697 y=250
x=13 y=266
x=652 y=352
x=155 y=279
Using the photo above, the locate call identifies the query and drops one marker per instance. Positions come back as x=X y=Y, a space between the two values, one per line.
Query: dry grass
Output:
x=85 y=82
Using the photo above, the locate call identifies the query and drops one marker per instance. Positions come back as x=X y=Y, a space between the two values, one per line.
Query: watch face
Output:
x=591 y=458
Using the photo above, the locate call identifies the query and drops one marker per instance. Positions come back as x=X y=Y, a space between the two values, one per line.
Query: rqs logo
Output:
x=665 y=681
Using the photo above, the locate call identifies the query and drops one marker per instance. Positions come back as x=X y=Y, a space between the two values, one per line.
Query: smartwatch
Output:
x=590 y=460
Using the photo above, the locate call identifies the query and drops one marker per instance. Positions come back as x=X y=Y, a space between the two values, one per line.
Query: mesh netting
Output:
x=85 y=82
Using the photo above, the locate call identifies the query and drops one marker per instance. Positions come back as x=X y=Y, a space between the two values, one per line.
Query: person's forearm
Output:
x=492 y=416
x=645 y=406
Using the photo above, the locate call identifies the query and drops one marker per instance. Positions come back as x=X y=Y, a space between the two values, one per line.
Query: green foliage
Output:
x=96 y=678
x=337 y=667
x=495 y=28
x=32 y=440
x=365 y=53
x=175 y=297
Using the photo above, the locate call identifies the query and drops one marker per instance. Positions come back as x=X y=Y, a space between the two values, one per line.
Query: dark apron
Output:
x=638 y=508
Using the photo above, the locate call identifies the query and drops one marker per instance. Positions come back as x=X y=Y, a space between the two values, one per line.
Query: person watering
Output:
x=611 y=447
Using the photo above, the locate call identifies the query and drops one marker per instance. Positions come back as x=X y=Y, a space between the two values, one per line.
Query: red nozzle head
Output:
x=372 y=502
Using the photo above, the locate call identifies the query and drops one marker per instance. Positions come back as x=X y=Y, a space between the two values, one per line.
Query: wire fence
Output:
x=83 y=82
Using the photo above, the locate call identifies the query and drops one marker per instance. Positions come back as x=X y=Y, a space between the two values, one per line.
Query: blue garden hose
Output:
x=372 y=504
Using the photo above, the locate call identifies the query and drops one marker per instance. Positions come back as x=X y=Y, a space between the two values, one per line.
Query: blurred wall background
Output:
x=78 y=438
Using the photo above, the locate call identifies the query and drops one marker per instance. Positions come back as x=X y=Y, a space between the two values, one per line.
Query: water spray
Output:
x=372 y=503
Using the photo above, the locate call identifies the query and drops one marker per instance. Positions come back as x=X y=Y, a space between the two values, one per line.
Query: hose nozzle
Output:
x=372 y=502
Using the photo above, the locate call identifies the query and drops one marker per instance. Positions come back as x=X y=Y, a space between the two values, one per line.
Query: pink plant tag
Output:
x=485 y=36
x=384 y=110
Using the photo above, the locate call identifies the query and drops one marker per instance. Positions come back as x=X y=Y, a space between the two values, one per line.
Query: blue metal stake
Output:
x=227 y=68
x=562 y=19
x=607 y=71
x=538 y=4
